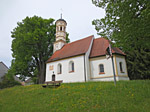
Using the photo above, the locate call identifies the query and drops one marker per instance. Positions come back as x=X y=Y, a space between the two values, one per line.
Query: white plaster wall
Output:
x=61 y=45
x=121 y=59
x=123 y=78
x=58 y=46
x=104 y=79
x=94 y=64
x=76 y=76
x=110 y=79
x=108 y=69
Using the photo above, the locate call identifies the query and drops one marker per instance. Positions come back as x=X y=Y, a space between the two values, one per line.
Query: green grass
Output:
x=127 y=96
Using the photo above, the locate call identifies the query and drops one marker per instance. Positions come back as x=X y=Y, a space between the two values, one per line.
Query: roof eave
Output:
x=106 y=54
x=64 y=58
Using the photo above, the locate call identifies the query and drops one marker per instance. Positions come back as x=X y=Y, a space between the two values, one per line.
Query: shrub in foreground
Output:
x=8 y=82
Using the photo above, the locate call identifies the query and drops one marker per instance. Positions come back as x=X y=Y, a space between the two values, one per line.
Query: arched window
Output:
x=120 y=65
x=71 y=66
x=61 y=28
x=59 y=68
x=101 y=69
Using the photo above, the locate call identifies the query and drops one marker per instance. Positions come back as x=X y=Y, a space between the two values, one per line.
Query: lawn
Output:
x=126 y=96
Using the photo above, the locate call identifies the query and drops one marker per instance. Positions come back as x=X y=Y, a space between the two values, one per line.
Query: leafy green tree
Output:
x=127 y=22
x=32 y=45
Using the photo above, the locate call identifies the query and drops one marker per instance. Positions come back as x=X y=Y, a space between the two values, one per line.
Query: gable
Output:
x=100 y=46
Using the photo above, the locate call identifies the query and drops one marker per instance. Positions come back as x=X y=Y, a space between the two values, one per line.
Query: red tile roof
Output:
x=117 y=51
x=72 y=49
x=80 y=47
x=99 y=48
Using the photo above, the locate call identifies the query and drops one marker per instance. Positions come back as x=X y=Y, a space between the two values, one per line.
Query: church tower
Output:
x=60 y=34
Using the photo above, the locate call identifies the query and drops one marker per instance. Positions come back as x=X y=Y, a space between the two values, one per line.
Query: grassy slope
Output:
x=127 y=96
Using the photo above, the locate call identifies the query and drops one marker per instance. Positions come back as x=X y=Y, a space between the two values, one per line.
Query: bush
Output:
x=8 y=82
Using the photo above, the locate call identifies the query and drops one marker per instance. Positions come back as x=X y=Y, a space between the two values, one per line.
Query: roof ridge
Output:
x=80 y=39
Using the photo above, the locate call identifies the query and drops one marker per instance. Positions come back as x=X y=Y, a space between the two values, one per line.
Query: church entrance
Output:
x=53 y=77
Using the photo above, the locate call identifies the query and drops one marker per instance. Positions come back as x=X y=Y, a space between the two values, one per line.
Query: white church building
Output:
x=84 y=60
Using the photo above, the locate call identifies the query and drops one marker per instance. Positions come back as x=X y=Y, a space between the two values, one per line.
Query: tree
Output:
x=32 y=45
x=127 y=23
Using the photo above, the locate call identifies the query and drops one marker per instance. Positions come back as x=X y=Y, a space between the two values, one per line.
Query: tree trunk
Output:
x=42 y=73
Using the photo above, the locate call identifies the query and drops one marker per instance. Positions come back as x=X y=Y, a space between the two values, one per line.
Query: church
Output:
x=84 y=60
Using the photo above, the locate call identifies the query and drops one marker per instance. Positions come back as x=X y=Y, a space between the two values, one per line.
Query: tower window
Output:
x=61 y=28
x=101 y=69
x=71 y=66
x=121 y=68
x=59 y=68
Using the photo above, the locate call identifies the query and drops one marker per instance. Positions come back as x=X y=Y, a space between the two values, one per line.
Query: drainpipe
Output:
x=84 y=69
x=113 y=70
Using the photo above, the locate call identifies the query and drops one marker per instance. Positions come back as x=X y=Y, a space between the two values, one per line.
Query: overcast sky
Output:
x=77 y=13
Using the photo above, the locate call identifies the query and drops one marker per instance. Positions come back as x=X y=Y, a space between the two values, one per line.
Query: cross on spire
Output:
x=61 y=13
x=61 y=16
